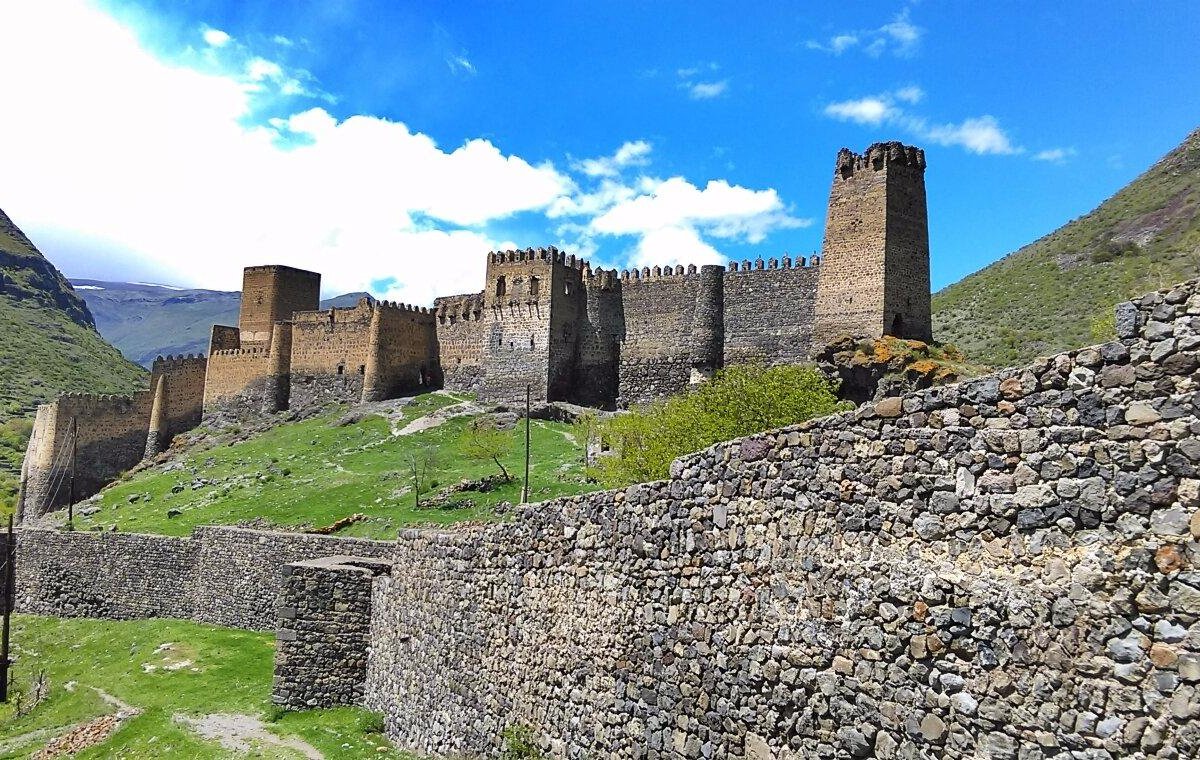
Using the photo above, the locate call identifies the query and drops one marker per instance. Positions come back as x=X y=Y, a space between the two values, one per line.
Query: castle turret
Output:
x=374 y=386
x=874 y=276
x=158 y=436
x=708 y=323
x=277 y=385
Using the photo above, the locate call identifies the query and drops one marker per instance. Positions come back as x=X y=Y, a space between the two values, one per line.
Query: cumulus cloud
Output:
x=870 y=110
x=635 y=153
x=216 y=37
x=979 y=134
x=900 y=37
x=707 y=90
x=172 y=173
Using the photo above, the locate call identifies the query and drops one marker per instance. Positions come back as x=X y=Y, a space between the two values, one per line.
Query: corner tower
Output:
x=874 y=275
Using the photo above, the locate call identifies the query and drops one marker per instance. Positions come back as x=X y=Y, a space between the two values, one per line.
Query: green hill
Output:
x=1058 y=292
x=50 y=346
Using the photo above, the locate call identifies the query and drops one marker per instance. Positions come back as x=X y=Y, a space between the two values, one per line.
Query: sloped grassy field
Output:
x=313 y=473
x=163 y=668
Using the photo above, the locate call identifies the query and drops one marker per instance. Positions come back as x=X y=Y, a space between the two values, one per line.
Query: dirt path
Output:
x=238 y=733
x=89 y=734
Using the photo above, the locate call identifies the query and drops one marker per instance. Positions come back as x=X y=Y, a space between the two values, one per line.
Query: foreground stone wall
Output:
x=1003 y=568
x=324 y=609
x=221 y=576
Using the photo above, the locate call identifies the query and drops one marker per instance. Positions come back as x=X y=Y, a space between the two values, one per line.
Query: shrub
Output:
x=740 y=400
x=482 y=441
x=519 y=743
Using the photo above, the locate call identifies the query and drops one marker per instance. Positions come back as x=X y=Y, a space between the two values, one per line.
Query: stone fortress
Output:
x=544 y=319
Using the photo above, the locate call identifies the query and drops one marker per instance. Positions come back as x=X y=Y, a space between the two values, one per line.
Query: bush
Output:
x=739 y=401
x=519 y=743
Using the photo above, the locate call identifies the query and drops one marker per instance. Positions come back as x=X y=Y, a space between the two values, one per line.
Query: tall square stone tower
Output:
x=272 y=294
x=874 y=275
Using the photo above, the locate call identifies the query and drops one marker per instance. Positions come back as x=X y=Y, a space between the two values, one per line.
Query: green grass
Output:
x=229 y=672
x=312 y=473
x=1049 y=296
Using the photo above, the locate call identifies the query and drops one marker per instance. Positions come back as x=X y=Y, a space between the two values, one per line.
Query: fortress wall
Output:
x=105 y=435
x=656 y=354
x=1007 y=567
x=405 y=352
x=224 y=338
x=567 y=309
x=462 y=336
x=235 y=373
x=273 y=294
x=329 y=355
x=907 y=298
x=222 y=576
x=769 y=311
x=184 y=394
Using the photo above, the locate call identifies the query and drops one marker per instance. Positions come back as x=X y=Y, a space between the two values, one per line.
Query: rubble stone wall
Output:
x=1003 y=568
x=221 y=576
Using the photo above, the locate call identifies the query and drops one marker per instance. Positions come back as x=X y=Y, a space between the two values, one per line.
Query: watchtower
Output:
x=272 y=294
x=874 y=275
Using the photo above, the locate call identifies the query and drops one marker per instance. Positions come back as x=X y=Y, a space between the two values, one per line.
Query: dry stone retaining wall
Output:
x=221 y=576
x=1004 y=568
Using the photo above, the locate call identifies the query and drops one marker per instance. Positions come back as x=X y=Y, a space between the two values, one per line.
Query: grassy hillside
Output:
x=170 y=672
x=1058 y=292
x=50 y=346
x=310 y=474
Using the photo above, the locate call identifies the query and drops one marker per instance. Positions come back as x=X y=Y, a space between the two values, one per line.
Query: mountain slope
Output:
x=145 y=320
x=1058 y=292
x=50 y=346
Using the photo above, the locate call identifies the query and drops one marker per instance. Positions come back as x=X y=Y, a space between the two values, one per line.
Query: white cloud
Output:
x=1055 y=155
x=900 y=36
x=707 y=90
x=635 y=153
x=216 y=37
x=459 y=63
x=979 y=134
x=172 y=179
x=871 y=110
x=911 y=94
x=698 y=89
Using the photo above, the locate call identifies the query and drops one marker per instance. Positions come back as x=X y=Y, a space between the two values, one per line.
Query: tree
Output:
x=482 y=441
x=420 y=460
x=738 y=401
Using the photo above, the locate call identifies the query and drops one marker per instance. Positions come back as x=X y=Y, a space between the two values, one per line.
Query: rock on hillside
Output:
x=25 y=273
x=1058 y=292
x=50 y=346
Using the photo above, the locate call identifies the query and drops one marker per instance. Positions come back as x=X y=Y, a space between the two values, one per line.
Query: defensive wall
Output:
x=81 y=442
x=1002 y=568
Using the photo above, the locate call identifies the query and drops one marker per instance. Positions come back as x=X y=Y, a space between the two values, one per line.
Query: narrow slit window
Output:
x=534 y=287
x=501 y=286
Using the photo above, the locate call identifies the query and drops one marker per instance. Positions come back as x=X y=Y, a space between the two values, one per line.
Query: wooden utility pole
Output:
x=74 y=453
x=10 y=558
x=528 y=395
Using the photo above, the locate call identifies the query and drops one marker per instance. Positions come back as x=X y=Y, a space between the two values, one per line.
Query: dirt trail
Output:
x=89 y=734
x=238 y=732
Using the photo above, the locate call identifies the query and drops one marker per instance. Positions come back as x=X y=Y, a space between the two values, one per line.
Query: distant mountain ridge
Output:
x=50 y=346
x=145 y=320
x=1058 y=292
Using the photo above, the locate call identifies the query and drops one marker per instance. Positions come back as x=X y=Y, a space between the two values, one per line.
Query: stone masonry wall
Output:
x=329 y=355
x=1003 y=568
x=221 y=576
x=769 y=311
x=236 y=372
x=324 y=609
x=462 y=336
x=656 y=358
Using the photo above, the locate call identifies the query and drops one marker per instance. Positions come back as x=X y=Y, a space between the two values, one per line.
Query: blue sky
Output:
x=389 y=145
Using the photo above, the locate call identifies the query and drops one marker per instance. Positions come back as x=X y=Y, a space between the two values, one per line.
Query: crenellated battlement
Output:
x=878 y=157
x=548 y=254
x=171 y=361
x=787 y=262
x=463 y=308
